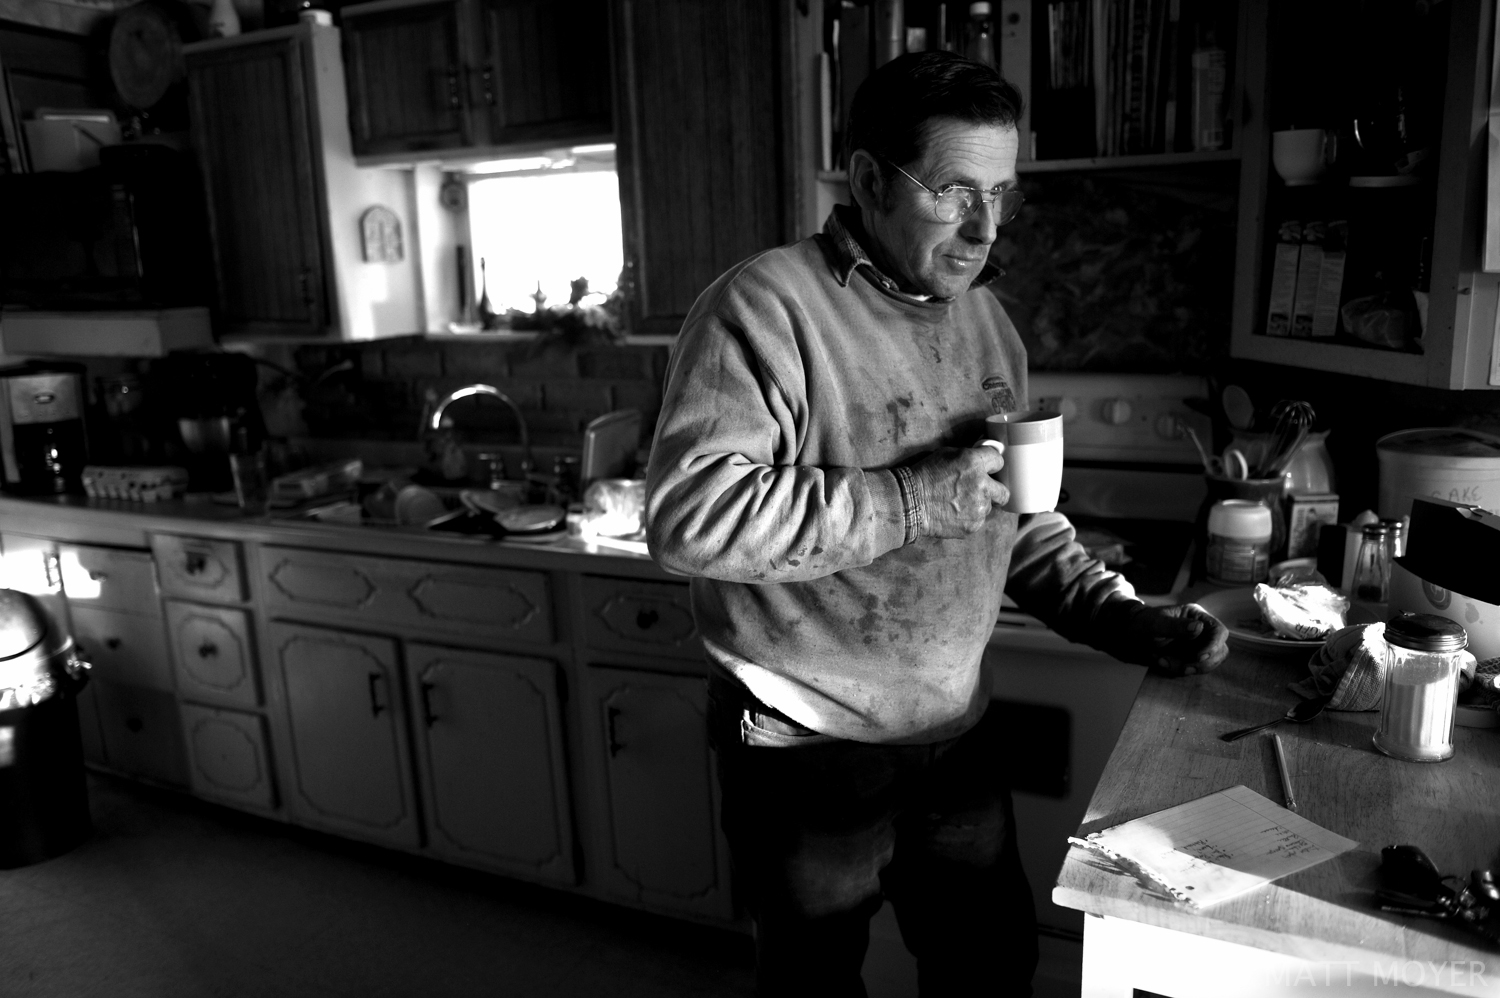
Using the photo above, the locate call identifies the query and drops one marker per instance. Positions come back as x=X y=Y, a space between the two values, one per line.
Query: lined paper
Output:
x=1219 y=846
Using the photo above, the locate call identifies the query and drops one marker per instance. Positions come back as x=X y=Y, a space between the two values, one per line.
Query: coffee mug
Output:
x=1033 y=458
x=1301 y=155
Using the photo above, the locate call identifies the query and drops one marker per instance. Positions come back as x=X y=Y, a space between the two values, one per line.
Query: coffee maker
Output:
x=43 y=446
x=210 y=399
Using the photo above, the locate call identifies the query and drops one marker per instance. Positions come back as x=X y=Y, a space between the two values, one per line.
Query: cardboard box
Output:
x=1305 y=299
x=1283 y=289
x=1306 y=516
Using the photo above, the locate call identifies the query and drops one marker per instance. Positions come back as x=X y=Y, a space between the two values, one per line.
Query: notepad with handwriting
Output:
x=1219 y=846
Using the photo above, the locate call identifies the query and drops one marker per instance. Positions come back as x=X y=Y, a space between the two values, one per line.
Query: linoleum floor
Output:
x=176 y=897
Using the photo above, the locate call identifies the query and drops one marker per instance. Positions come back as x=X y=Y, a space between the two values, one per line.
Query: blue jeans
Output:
x=821 y=833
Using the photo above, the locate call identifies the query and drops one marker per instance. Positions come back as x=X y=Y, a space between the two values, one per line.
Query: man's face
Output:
x=923 y=254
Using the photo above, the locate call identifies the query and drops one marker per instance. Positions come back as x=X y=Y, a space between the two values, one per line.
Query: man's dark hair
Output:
x=892 y=107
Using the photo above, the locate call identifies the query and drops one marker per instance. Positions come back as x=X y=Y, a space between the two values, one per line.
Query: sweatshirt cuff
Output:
x=886 y=498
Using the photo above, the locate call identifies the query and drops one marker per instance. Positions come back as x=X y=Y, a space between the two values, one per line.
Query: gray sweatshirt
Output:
x=800 y=379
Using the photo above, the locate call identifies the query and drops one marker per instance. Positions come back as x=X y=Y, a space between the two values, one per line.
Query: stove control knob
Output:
x=1169 y=427
x=1116 y=412
x=1061 y=405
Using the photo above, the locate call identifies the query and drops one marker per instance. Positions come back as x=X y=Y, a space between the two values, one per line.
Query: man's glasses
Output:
x=956 y=202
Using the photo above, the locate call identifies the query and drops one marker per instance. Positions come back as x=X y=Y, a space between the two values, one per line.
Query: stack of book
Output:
x=1131 y=77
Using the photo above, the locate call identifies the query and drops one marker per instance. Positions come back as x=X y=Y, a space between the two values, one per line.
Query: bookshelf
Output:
x=1142 y=162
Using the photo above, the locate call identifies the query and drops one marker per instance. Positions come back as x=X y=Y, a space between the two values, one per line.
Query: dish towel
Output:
x=1350 y=666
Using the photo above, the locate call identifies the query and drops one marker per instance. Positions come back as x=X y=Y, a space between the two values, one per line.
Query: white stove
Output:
x=1132 y=484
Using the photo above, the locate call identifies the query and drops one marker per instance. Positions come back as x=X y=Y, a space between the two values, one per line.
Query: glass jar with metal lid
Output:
x=1422 y=666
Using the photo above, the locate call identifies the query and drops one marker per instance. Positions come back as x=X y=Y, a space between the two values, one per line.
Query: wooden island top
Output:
x=1320 y=924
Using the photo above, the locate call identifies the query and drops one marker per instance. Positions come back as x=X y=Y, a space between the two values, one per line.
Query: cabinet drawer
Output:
x=648 y=617
x=213 y=653
x=123 y=647
x=227 y=755
x=109 y=578
x=389 y=592
x=142 y=732
x=199 y=567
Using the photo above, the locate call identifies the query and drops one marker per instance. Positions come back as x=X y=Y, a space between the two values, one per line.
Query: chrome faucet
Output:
x=435 y=422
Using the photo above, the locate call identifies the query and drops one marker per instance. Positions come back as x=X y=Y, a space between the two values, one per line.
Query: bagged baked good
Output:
x=1303 y=611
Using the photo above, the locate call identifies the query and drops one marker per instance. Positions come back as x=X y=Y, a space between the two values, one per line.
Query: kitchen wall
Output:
x=382 y=392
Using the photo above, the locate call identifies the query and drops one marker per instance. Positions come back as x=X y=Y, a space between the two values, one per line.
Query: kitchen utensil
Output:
x=531 y=519
x=1300 y=712
x=609 y=446
x=1237 y=610
x=1033 y=458
x=1417 y=711
x=1302 y=155
x=1293 y=419
x=1238 y=408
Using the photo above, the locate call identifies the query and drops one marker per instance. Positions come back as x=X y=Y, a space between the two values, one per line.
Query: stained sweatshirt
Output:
x=802 y=379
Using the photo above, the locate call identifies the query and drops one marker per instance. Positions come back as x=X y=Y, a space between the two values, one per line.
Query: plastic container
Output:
x=1239 y=542
x=1423 y=661
x=1438 y=462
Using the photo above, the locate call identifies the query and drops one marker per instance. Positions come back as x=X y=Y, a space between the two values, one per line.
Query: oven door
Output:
x=1064 y=705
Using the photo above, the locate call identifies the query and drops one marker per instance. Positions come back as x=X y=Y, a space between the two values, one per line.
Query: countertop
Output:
x=128 y=524
x=1169 y=752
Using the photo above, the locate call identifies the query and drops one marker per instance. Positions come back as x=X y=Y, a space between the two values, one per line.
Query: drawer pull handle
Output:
x=376 y=706
x=134 y=725
x=646 y=619
x=112 y=643
x=611 y=715
x=428 y=717
x=195 y=563
x=208 y=650
x=97 y=576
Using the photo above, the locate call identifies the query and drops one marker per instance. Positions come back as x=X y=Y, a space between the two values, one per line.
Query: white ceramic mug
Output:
x=1301 y=155
x=1033 y=458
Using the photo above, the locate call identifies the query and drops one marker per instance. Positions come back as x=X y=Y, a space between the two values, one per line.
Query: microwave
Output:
x=129 y=233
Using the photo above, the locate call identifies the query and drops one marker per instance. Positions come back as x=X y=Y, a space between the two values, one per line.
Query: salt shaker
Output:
x=1372 y=566
x=1422 y=666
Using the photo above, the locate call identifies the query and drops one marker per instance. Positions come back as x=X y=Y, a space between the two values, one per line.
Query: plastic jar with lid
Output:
x=1419 y=705
x=1239 y=542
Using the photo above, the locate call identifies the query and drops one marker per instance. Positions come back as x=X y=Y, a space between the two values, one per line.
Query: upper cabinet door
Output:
x=701 y=151
x=406 y=75
x=545 y=73
x=251 y=124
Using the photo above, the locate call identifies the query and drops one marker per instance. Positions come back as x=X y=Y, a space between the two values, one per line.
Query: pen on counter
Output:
x=1286 y=776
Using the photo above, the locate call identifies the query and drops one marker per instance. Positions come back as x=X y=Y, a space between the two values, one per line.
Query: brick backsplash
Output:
x=558 y=389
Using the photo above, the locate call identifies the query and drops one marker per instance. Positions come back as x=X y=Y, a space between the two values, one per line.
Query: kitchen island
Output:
x=1316 y=931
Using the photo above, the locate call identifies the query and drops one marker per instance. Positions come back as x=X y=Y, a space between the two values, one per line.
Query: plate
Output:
x=531 y=519
x=1238 y=611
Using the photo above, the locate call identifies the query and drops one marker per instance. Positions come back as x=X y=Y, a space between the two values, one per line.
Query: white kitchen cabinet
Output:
x=203 y=568
x=489 y=735
x=653 y=618
x=141 y=731
x=1458 y=345
x=345 y=716
x=660 y=805
x=126 y=648
x=227 y=756
x=395 y=592
x=212 y=653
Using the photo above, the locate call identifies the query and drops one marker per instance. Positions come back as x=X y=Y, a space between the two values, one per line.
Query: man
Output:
x=815 y=470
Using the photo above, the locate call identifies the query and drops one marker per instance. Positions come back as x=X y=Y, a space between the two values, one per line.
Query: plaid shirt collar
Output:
x=849 y=255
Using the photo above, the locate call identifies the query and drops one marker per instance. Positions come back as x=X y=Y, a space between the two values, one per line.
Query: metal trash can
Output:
x=44 y=808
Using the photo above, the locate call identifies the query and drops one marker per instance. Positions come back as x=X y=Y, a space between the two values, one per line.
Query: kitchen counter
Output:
x=126 y=524
x=1316 y=928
